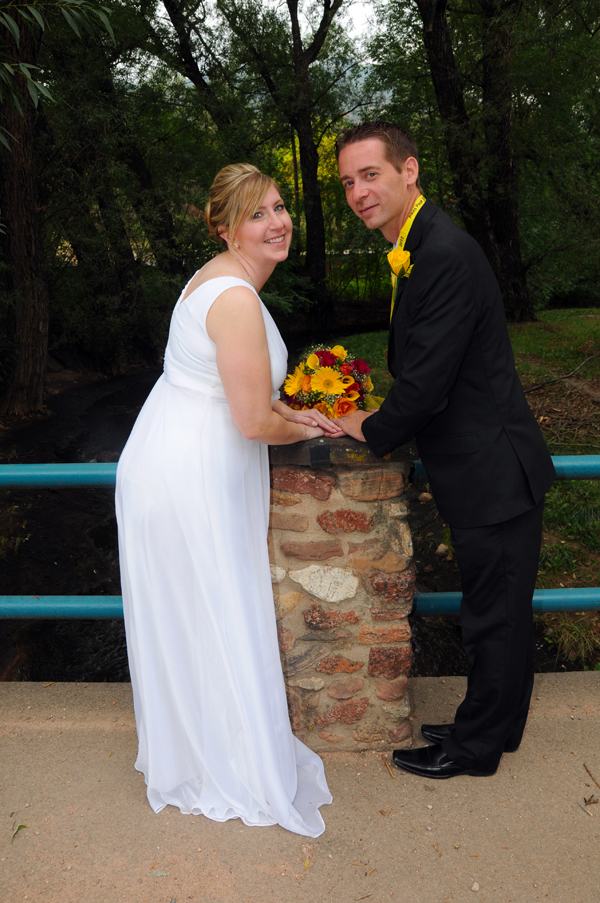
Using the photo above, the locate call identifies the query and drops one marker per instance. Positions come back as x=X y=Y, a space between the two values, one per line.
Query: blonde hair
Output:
x=237 y=190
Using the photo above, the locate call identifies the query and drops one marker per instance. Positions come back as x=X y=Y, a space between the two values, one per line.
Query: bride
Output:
x=192 y=510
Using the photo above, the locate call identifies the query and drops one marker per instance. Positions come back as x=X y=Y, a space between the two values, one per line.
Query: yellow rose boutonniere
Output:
x=399 y=261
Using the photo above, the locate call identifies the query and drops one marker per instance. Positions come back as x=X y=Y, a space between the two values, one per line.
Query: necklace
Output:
x=243 y=267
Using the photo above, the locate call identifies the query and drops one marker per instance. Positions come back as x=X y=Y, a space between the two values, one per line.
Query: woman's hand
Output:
x=311 y=418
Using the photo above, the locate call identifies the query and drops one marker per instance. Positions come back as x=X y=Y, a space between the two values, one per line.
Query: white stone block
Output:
x=326 y=583
x=277 y=574
x=309 y=683
x=398 y=509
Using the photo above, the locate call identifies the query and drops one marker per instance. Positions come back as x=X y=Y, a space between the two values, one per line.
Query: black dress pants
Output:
x=498 y=566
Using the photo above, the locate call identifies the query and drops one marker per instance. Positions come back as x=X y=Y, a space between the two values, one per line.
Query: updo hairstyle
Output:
x=238 y=189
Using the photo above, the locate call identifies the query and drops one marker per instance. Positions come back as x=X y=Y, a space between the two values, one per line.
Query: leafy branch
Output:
x=79 y=14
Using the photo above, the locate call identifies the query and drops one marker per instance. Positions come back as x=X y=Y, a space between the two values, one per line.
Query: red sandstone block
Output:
x=395 y=588
x=318 y=619
x=296 y=522
x=345 y=520
x=313 y=551
x=294 y=710
x=336 y=664
x=286 y=639
x=391 y=690
x=372 y=484
x=329 y=737
x=345 y=688
x=369 y=635
x=302 y=481
x=401 y=735
x=387 y=614
x=389 y=661
x=344 y=712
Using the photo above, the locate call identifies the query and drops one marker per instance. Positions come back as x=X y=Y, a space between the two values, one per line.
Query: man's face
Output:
x=375 y=190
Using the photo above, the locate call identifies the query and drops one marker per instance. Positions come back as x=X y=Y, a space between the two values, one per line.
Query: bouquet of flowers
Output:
x=331 y=383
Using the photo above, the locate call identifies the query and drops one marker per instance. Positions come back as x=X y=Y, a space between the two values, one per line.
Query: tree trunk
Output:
x=493 y=222
x=153 y=211
x=300 y=117
x=498 y=20
x=296 y=188
x=316 y=261
x=22 y=245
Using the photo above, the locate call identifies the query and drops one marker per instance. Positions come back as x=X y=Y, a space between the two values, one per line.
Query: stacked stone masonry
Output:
x=343 y=581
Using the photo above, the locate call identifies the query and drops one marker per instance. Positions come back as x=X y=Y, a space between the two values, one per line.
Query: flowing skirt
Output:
x=209 y=696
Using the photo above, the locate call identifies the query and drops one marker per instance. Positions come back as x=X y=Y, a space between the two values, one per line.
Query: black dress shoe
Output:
x=432 y=762
x=438 y=732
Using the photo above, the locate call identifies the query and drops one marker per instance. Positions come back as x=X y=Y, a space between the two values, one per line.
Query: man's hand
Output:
x=352 y=424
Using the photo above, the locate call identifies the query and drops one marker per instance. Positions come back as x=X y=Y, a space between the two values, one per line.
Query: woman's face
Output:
x=265 y=235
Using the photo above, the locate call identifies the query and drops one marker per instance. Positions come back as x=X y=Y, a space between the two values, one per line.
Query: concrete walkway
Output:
x=66 y=760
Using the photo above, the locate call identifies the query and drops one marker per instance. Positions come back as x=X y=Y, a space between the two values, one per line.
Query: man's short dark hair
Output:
x=398 y=144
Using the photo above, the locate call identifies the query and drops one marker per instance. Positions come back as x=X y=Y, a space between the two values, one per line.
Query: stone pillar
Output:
x=343 y=580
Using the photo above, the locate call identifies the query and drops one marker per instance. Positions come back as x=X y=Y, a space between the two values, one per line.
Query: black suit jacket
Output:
x=456 y=390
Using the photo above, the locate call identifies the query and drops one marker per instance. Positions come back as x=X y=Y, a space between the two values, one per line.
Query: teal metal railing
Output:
x=568 y=467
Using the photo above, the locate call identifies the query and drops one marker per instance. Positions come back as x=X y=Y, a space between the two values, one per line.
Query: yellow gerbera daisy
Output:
x=294 y=381
x=327 y=380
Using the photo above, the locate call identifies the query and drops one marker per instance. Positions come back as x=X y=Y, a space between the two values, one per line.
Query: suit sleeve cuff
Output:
x=369 y=430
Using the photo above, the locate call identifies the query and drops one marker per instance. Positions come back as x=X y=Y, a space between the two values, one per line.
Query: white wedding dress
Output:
x=192 y=508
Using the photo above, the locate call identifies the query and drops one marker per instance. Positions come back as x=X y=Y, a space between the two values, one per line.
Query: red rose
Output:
x=360 y=366
x=346 y=369
x=326 y=358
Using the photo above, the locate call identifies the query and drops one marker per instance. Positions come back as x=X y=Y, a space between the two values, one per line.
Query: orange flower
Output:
x=305 y=387
x=351 y=396
x=342 y=407
x=324 y=408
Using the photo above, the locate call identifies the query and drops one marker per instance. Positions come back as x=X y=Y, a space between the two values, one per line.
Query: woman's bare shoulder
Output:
x=216 y=268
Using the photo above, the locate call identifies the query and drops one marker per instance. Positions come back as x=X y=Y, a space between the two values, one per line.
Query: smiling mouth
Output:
x=366 y=210
x=275 y=241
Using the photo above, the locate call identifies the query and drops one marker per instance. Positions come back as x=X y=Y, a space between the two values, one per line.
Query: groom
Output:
x=457 y=393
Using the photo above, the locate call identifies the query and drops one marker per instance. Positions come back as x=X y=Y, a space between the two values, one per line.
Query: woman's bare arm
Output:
x=236 y=326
